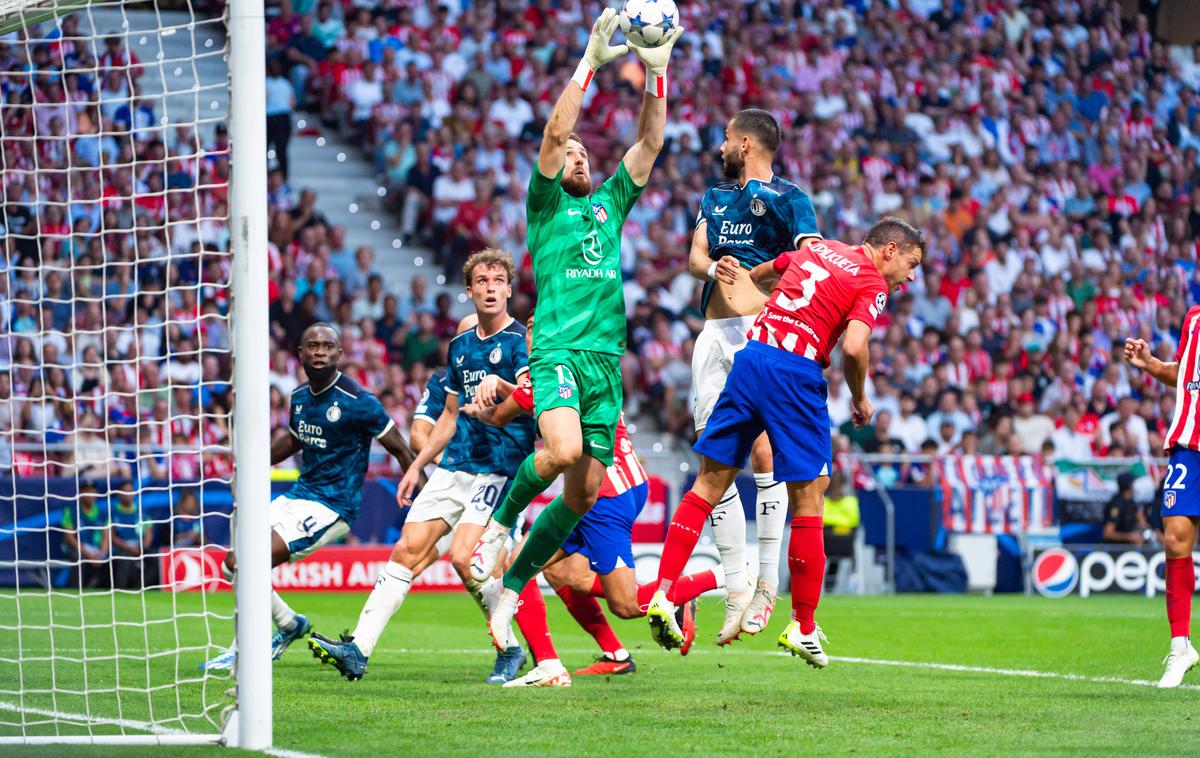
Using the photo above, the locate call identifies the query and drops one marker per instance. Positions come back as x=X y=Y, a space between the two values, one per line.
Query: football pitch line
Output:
x=952 y=667
x=137 y=726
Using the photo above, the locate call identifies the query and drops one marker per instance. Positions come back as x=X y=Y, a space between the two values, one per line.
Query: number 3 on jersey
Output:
x=808 y=287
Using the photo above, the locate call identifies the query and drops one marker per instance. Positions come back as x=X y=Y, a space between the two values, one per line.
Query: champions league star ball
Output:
x=646 y=23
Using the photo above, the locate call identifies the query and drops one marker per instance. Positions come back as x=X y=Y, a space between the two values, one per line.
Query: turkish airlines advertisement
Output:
x=340 y=568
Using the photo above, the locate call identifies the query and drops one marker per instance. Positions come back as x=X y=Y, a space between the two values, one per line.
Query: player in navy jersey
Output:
x=1181 y=486
x=743 y=222
x=425 y=415
x=332 y=421
x=474 y=472
x=777 y=386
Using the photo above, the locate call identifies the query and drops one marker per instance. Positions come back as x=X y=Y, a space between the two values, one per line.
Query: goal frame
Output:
x=249 y=723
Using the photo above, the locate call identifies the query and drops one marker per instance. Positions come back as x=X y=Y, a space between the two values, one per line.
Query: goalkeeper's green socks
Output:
x=525 y=487
x=549 y=532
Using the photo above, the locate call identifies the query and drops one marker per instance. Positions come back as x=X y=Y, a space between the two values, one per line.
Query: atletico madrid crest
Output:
x=1169 y=499
x=565 y=392
x=599 y=212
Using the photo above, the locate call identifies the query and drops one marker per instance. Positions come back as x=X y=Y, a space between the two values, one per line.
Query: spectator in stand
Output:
x=281 y=101
x=1124 y=522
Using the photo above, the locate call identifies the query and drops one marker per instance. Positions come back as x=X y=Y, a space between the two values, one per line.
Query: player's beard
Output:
x=320 y=377
x=577 y=187
x=733 y=163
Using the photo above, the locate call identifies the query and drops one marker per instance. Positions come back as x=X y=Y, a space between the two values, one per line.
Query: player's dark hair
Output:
x=489 y=256
x=760 y=125
x=318 y=325
x=575 y=136
x=892 y=229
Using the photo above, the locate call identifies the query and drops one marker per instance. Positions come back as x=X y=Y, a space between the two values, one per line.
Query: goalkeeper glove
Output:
x=656 y=60
x=599 y=51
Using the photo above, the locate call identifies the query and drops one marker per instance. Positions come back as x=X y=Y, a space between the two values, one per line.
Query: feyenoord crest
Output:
x=599 y=212
x=564 y=391
x=758 y=207
x=495 y=355
x=1169 y=499
x=334 y=413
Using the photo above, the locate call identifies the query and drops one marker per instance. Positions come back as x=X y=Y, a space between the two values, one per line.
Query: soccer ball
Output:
x=647 y=23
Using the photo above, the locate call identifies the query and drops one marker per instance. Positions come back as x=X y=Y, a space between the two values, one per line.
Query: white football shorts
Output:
x=305 y=525
x=712 y=360
x=458 y=497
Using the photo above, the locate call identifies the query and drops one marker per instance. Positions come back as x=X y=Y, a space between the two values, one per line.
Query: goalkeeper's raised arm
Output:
x=553 y=153
x=639 y=160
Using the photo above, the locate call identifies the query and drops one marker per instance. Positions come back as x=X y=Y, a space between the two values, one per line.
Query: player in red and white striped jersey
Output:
x=1181 y=486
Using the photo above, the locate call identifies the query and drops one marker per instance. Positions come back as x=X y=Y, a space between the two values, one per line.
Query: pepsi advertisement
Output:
x=1098 y=569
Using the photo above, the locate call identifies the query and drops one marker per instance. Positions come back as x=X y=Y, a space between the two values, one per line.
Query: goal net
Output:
x=116 y=371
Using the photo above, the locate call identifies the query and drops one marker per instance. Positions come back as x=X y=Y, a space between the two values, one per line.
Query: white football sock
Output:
x=728 y=524
x=771 y=512
x=1179 y=644
x=390 y=591
x=285 y=617
x=476 y=590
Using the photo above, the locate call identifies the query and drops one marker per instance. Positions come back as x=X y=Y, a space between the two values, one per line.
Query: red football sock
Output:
x=682 y=538
x=645 y=592
x=1181 y=579
x=692 y=586
x=531 y=618
x=597 y=587
x=806 y=560
x=586 y=611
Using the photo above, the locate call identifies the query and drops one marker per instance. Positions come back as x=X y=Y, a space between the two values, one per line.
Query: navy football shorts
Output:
x=783 y=394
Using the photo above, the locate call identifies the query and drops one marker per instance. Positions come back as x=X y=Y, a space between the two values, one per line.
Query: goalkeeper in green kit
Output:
x=574 y=238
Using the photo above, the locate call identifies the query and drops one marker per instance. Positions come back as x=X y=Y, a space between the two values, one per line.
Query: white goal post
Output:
x=134 y=403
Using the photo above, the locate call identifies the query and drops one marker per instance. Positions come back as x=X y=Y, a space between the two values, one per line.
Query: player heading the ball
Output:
x=777 y=385
x=749 y=219
x=574 y=237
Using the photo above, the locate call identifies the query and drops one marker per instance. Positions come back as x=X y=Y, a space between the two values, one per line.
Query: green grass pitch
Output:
x=423 y=693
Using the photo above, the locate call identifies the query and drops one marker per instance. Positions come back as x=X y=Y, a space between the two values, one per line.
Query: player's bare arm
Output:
x=553 y=153
x=652 y=120
x=418 y=435
x=283 y=447
x=443 y=432
x=497 y=415
x=705 y=268
x=492 y=389
x=399 y=449
x=765 y=277
x=1138 y=355
x=855 y=357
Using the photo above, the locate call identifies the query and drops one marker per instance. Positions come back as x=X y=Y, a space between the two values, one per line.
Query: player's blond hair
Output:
x=489 y=256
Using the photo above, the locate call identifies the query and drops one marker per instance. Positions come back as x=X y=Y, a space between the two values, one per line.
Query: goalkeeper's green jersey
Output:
x=575 y=244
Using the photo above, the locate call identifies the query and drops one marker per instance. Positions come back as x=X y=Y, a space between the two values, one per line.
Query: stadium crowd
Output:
x=1049 y=151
